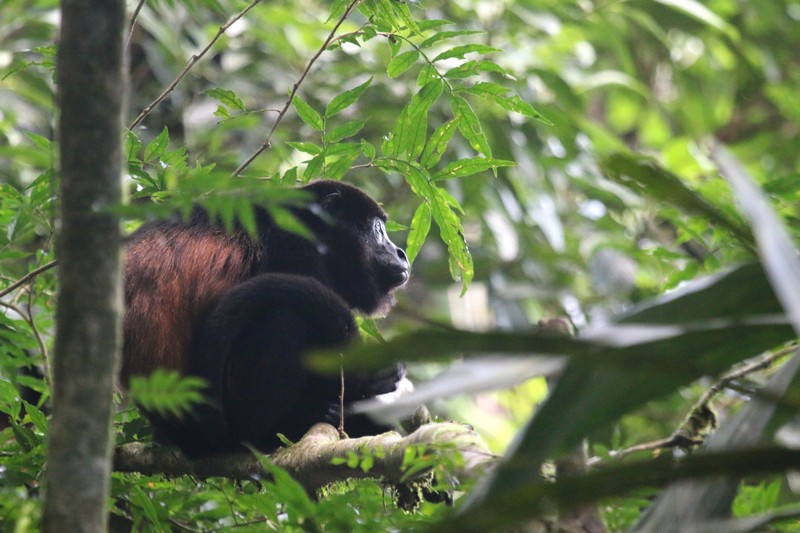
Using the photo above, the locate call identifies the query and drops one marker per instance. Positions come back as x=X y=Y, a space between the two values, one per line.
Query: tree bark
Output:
x=88 y=333
x=311 y=460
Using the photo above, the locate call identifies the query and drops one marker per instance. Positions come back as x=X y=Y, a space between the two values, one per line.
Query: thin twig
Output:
x=28 y=318
x=268 y=140
x=134 y=18
x=27 y=277
x=341 y=427
x=192 y=61
x=679 y=436
x=39 y=340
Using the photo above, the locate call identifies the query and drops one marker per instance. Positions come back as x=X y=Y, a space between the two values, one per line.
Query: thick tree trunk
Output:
x=90 y=86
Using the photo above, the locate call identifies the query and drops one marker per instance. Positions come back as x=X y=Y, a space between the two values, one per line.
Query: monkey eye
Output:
x=379 y=228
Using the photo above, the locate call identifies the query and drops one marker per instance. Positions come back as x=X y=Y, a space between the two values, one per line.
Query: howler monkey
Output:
x=239 y=311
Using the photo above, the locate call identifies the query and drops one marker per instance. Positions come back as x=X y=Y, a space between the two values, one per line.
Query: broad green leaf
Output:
x=344 y=100
x=473 y=68
x=345 y=131
x=401 y=62
x=486 y=88
x=460 y=51
x=410 y=129
x=289 y=177
x=652 y=335
x=306 y=148
x=442 y=35
x=469 y=125
x=339 y=168
x=649 y=178
x=314 y=168
x=420 y=226
x=437 y=144
x=518 y=105
x=222 y=112
x=706 y=500
x=742 y=319
x=537 y=498
x=399 y=14
x=41 y=142
x=427 y=73
x=367 y=149
x=157 y=146
x=227 y=97
x=338 y=9
x=442 y=211
x=497 y=94
x=307 y=113
x=468 y=167
x=776 y=248
x=431 y=24
x=343 y=149
x=132 y=146
x=700 y=12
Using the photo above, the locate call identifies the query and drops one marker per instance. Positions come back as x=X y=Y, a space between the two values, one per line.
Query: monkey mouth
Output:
x=398 y=278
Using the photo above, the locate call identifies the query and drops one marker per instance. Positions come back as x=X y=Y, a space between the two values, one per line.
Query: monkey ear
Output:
x=330 y=200
x=331 y=205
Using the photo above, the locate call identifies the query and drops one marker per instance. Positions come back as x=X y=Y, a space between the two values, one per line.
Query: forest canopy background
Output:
x=537 y=158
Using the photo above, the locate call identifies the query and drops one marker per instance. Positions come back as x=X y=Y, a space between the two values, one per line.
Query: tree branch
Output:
x=268 y=140
x=691 y=431
x=191 y=63
x=311 y=460
x=27 y=277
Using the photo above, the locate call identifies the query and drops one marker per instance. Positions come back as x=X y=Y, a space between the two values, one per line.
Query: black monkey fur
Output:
x=240 y=312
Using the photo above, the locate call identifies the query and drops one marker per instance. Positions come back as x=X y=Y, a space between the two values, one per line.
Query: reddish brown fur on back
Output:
x=173 y=277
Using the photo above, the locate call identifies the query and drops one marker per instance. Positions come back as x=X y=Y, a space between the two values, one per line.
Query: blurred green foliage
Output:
x=540 y=157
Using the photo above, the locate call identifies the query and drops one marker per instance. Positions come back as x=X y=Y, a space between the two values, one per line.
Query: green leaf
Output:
x=701 y=13
x=338 y=149
x=222 y=112
x=36 y=416
x=647 y=177
x=157 y=146
x=167 y=392
x=345 y=131
x=339 y=168
x=289 y=177
x=775 y=245
x=496 y=93
x=398 y=14
x=473 y=68
x=367 y=149
x=486 y=88
x=344 y=100
x=468 y=167
x=437 y=144
x=41 y=142
x=701 y=329
x=338 y=9
x=442 y=35
x=420 y=226
x=307 y=113
x=469 y=125
x=401 y=63
x=460 y=51
x=132 y=146
x=409 y=133
x=427 y=73
x=306 y=148
x=226 y=97
x=443 y=207
x=314 y=168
